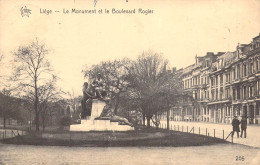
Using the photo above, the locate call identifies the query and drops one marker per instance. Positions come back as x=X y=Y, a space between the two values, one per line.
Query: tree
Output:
x=75 y=105
x=153 y=86
x=32 y=70
x=8 y=106
x=2 y=74
x=65 y=121
x=28 y=105
x=47 y=93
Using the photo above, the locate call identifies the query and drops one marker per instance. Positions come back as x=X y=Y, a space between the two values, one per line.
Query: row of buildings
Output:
x=223 y=85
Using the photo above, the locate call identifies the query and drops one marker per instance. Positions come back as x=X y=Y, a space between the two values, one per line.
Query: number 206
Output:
x=240 y=158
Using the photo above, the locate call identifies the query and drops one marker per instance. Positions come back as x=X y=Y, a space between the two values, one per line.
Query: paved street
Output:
x=224 y=154
x=253 y=131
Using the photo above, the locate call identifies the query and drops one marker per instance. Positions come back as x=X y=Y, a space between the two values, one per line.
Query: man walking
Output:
x=243 y=126
x=235 y=124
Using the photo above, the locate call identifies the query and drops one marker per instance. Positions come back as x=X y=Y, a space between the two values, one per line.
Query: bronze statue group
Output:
x=236 y=123
x=96 y=90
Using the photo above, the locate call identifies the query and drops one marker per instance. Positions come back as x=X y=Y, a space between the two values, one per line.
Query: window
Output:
x=227 y=93
x=250 y=91
x=221 y=79
x=216 y=94
x=256 y=65
x=244 y=70
x=238 y=93
x=221 y=93
x=212 y=94
x=195 y=96
x=244 y=92
x=228 y=76
x=234 y=94
x=252 y=67
x=238 y=71
x=212 y=82
x=234 y=74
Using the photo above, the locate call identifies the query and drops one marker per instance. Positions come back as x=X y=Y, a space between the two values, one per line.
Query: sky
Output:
x=179 y=30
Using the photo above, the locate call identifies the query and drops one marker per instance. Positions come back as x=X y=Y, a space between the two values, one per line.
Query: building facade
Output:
x=222 y=86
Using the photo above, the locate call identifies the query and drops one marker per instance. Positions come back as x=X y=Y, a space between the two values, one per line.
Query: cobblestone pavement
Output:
x=252 y=139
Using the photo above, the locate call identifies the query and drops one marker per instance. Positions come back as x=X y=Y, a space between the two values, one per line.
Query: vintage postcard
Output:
x=129 y=82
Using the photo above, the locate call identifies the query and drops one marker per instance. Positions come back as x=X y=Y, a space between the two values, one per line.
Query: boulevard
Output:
x=223 y=154
x=252 y=138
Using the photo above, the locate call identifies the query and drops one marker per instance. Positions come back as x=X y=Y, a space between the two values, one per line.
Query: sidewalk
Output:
x=252 y=139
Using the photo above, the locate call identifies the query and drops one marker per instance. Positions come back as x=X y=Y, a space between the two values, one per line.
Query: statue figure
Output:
x=86 y=101
x=108 y=114
x=95 y=90
x=99 y=87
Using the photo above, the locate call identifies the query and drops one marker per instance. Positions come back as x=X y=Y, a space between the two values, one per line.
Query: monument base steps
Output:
x=90 y=124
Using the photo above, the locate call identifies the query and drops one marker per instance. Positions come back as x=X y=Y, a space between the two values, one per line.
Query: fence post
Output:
x=70 y=138
x=223 y=135
x=174 y=127
x=187 y=129
x=178 y=128
x=171 y=127
x=182 y=128
x=214 y=133
x=206 y=131
x=199 y=130
x=193 y=130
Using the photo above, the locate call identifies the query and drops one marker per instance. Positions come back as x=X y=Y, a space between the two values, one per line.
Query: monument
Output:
x=97 y=113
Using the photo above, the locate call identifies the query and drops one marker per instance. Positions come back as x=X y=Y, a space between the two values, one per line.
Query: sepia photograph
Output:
x=105 y=82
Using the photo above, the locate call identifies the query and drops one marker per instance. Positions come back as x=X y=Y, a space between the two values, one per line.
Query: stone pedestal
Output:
x=90 y=124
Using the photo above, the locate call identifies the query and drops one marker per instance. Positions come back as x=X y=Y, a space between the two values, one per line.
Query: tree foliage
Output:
x=10 y=107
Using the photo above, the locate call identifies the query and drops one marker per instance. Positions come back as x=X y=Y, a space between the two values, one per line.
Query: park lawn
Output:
x=147 y=137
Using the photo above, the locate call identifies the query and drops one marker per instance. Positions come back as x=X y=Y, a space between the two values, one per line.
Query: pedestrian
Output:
x=243 y=126
x=235 y=124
